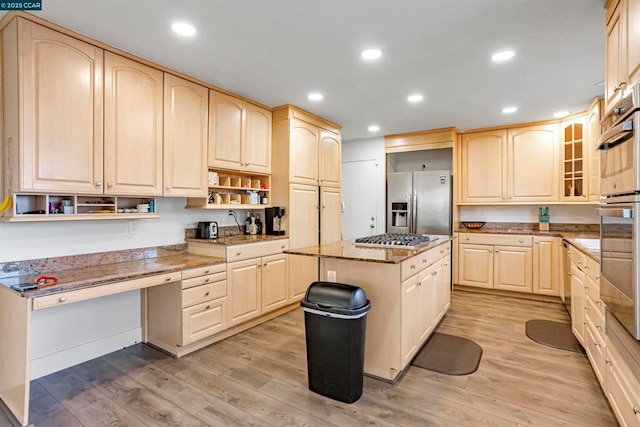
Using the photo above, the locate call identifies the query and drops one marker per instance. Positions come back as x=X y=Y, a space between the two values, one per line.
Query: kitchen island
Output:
x=409 y=290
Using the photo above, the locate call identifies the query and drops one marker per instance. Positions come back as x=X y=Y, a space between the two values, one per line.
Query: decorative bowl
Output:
x=473 y=225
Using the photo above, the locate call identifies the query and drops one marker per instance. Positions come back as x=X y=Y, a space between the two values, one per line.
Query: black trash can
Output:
x=335 y=323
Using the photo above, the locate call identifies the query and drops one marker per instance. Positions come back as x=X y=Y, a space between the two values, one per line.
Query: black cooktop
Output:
x=403 y=240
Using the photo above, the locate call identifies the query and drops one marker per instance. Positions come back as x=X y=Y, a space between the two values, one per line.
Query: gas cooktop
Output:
x=394 y=240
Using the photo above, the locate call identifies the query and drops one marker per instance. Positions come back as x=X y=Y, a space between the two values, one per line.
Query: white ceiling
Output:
x=277 y=51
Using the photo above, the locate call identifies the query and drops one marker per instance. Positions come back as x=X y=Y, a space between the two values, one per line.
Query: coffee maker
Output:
x=273 y=221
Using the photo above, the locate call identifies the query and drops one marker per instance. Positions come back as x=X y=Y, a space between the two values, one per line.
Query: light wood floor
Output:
x=259 y=378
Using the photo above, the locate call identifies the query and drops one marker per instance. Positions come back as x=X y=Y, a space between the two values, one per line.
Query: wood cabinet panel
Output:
x=330 y=215
x=512 y=269
x=546 y=277
x=613 y=59
x=56 y=94
x=410 y=302
x=429 y=300
x=303 y=272
x=621 y=389
x=244 y=280
x=330 y=155
x=484 y=164
x=203 y=320
x=577 y=303
x=133 y=127
x=632 y=41
x=303 y=168
x=256 y=151
x=275 y=281
x=476 y=265
x=592 y=130
x=226 y=130
x=532 y=164
x=186 y=113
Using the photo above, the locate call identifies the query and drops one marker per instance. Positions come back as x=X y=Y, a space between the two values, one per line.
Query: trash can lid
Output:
x=336 y=298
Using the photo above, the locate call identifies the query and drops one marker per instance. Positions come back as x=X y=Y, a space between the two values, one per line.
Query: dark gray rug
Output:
x=449 y=355
x=553 y=334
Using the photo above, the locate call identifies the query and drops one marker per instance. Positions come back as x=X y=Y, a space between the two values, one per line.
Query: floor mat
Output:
x=449 y=355
x=553 y=334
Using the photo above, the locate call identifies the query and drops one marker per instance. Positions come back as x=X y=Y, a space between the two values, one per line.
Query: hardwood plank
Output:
x=89 y=405
x=45 y=411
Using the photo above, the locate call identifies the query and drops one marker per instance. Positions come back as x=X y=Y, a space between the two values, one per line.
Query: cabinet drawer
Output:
x=103 y=290
x=203 y=320
x=204 y=293
x=203 y=280
x=203 y=271
x=254 y=250
x=421 y=261
x=496 y=239
x=593 y=315
x=594 y=346
x=577 y=257
x=592 y=269
x=620 y=391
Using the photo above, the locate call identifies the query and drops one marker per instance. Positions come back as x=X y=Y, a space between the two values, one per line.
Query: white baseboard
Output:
x=68 y=357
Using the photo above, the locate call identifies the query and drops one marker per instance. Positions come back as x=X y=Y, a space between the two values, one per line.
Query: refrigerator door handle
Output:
x=414 y=212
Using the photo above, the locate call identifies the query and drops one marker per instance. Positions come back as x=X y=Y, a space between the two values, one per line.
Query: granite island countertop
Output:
x=103 y=275
x=346 y=249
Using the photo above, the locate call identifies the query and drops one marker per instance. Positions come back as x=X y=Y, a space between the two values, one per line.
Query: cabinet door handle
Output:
x=208 y=307
x=424 y=261
x=598 y=327
x=586 y=288
x=167 y=188
x=207 y=294
x=282 y=247
x=635 y=410
x=62 y=299
x=238 y=253
x=597 y=277
x=265 y=264
x=259 y=265
x=608 y=361
x=520 y=240
x=99 y=184
x=168 y=279
x=434 y=273
x=535 y=243
x=597 y=344
x=413 y=267
x=446 y=265
x=441 y=252
x=466 y=238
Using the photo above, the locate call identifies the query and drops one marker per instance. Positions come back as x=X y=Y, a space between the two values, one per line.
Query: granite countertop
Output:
x=238 y=239
x=589 y=251
x=347 y=250
x=100 y=275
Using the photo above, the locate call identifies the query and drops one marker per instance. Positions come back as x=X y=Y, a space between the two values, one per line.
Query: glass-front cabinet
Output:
x=574 y=161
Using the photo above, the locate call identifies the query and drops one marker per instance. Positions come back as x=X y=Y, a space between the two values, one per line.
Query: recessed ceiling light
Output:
x=509 y=110
x=315 y=96
x=415 y=98
x=183 y=28
x=502 y=56
x=560 y=114
x=370 y=54
x=374 y=128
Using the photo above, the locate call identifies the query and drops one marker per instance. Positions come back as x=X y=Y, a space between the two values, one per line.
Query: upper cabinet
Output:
x=53 y=98
x=186 y=107
x=133 y=127
x=622 y=55
x=509 y=165
x=330 y=156
x=484 y=167
x=574 y=160
x=239 y=134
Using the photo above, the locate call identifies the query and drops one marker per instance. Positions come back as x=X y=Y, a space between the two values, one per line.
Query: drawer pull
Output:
x=446 y=265
x=608 y=361
x=259 y=265
x=434 y=273
x=597 y=344
x=586 y=288
x=208 y=307
x=238 y=253
x=168 y=279
x=62 y=299
x=520 y=240
x=597 y=277
x=206 y=280
x=206 y=271
x=466 y=238
x=441 y=252
x=599 y=302
x=635 y=410
x=282 y=247
x=424 y=261
x=265 y=264
x=413 y=267
x=598 y=327
x=207 y=294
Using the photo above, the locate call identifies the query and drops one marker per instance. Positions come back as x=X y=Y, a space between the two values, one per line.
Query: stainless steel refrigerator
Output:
x=419 y=202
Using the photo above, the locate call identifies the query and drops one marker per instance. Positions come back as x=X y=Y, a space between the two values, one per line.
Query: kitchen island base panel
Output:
x=179 y=351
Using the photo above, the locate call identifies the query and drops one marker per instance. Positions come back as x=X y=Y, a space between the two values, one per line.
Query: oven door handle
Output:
x=616 y=135
x=615 y=212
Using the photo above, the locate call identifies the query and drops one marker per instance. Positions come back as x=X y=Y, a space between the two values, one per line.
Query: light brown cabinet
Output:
x=574 y=160
x=622 y=387
x=186 y=107
x=239 y=134
x=306 y=182
x=512 y=269
x=615 y=81
x=275 y=277
x=592 y=134
x=484 y=167
x=133 y=127
x=53 y=111
x=476 y=265
x=244 y=281
x=509 y=165
x=577 y=302
x=546 y=274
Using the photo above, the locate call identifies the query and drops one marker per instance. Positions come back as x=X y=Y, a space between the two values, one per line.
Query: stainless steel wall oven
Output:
x=619 y=201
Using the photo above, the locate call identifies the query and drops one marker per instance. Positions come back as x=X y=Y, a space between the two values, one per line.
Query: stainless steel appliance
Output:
x=620 y=198
x=397 y=240
x=207 y=230
x=419 y=202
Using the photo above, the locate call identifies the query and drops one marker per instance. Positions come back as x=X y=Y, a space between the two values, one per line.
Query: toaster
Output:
x=207 y=230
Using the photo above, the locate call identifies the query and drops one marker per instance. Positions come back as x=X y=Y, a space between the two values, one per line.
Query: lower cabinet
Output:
x=257 y=286
x=516 y=263
x=425 y=299
x=187 y=311
x=577 y=303
x=622 y=388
